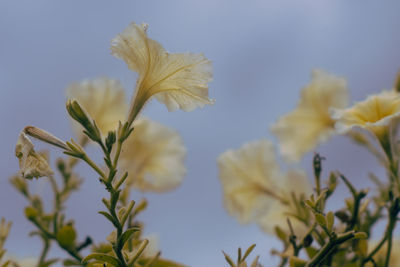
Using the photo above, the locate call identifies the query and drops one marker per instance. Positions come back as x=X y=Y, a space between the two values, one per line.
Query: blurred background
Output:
x=263 y=53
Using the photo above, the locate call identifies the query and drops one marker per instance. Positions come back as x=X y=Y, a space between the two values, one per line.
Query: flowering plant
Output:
x=289 y=207
x=138 y=154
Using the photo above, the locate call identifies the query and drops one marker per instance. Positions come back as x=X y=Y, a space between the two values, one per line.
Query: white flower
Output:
x=255 y=189
x=249 y=177
x=294 y=182
x=153 y=155
x=31 y=164
x=177 y=80
x=311 y=123
x=103 y=99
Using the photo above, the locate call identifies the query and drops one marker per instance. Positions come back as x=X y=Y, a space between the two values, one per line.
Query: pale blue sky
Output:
x=262 y=52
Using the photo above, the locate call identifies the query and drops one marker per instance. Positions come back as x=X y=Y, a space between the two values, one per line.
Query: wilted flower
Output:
x=103 y=99
x=177 y=80
x=373 y=114
x=295 y=183
x=249 y=177
x=153 y=156
x=31 y=164
x=311 y=123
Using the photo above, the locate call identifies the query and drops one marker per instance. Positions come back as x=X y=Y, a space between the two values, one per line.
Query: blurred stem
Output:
x=46 y=246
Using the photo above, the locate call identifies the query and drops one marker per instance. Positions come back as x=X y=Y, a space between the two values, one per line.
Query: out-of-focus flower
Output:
x=153 y=156
x=103 y=99
x=296 y=183
x=31 y=164
x=177 y=80
x=380 y=256
x=20 y=262
x=249 y=177
x=311 y=123
x=373 y=114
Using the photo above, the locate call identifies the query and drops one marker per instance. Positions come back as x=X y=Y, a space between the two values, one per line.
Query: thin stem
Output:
x=46 y=246
x=117 y=153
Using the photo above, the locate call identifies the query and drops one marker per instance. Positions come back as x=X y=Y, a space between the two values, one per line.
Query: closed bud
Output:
x=66 y=236
x=31 y=213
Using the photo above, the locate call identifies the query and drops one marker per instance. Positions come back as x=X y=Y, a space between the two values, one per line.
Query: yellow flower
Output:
x=177 y=80
x=373 y=114
x=294 y=182
x=153 y=156
x=103 y=99
x=249 y=177
x=31 y=164
x=311 y=123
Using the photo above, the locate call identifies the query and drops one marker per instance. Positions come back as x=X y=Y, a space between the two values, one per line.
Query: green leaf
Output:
x=320 y=219
x=229 y=260
x=248 y=251
x=297 y=262
x=255 y=262
x=281 y=234
x=128 y=233
x=311 y=252
x=69 y=262
x=102 y=257
x=360 y=235
x=330 y=220
x=109 y=217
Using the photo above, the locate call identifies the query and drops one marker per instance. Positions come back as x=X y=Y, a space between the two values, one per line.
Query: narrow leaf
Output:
x=102 y=257
x=330 y=220
x=320 y=219
x=109 y=217
x=128 y=234
x=248 y=251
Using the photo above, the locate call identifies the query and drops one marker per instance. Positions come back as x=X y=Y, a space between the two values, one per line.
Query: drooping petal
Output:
x=153 y=156
x=103 y=99
x=178 y=80
x=311 y=123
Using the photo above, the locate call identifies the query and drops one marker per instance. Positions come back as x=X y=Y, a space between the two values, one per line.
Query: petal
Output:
x=248 y=176
x=310 y=123
x=154 y=157
x=103 y=99
x=177 y=80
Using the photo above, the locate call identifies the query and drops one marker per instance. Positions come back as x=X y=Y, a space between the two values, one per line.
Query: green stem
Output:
x=328 y=247
x=46 y=246
x=117 y=153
